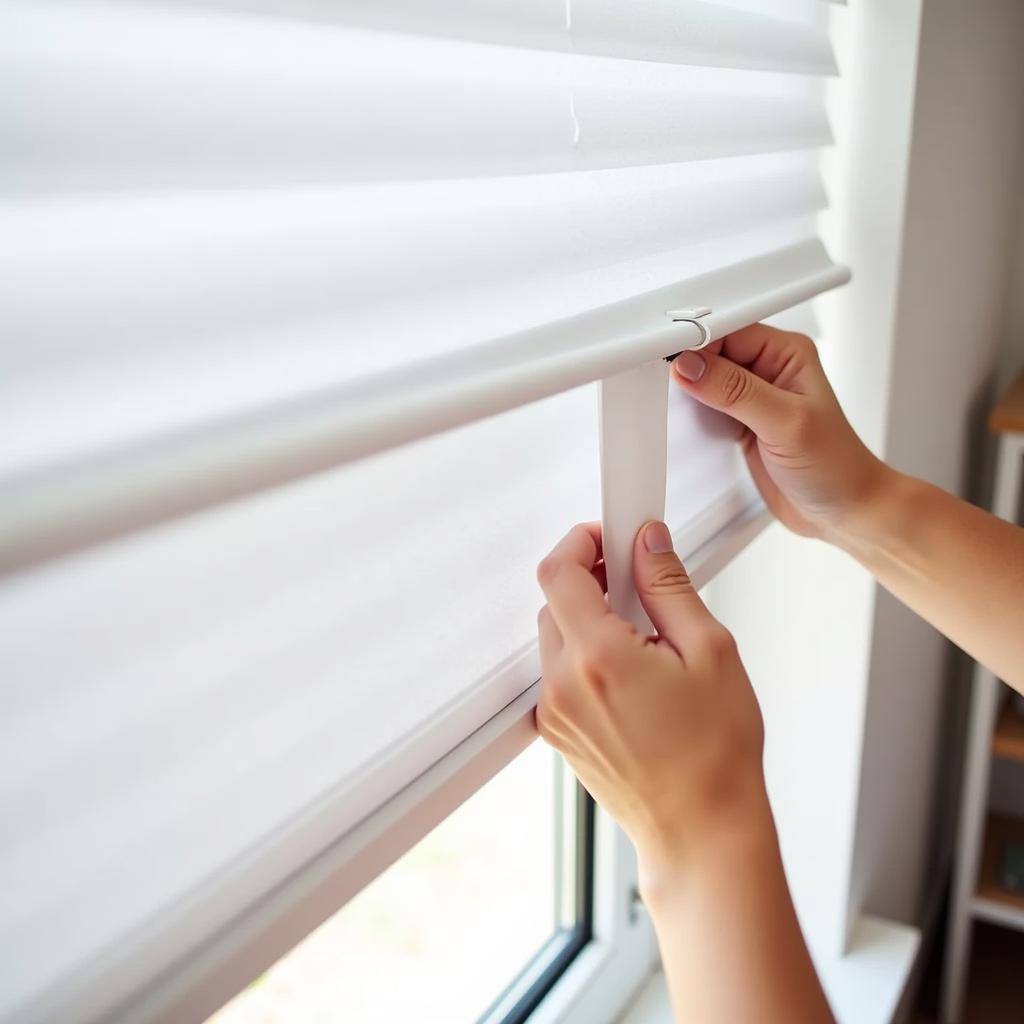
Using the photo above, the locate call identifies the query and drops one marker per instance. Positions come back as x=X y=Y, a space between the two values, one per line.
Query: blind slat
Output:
x=156 y=99
x=774 y=38
x=636 y=128
x=53 y=513
x=198 y=304
x=699 y=33
x=165 y=267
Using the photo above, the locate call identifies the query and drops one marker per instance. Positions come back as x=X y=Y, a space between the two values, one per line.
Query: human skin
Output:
x=957 y=566
x=664 y=731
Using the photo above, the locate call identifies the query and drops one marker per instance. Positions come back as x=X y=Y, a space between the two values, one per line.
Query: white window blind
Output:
x=266 y=269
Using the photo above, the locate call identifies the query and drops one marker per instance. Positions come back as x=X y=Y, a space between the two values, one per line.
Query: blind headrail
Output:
x=70 y=507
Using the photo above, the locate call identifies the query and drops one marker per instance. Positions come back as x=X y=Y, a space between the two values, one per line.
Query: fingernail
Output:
x=657 y=539
x=690 y=366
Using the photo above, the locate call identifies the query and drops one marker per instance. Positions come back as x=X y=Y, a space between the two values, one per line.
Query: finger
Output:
x=779 y=357
x=549 y=639
x=766 y=486
x=777 y=503
x=574 y=596
x=666 y=591
x=730 y=388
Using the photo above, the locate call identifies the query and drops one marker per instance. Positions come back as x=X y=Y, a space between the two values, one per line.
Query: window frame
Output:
x=575 y=846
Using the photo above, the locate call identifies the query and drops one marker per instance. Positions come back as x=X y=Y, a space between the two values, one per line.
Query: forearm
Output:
x=957 y=566
x=730 y=942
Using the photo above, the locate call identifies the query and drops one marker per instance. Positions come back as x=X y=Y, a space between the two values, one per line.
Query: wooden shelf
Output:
x=991 y=900
x=1008 y=739
x=1008 y=415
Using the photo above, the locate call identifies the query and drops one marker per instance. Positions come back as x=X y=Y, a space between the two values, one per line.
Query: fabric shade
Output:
x=302 y=304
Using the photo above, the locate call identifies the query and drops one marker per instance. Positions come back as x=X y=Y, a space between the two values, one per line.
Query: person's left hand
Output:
x=664 y=731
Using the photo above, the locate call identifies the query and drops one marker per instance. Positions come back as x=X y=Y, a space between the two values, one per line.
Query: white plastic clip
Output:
x=692 y=316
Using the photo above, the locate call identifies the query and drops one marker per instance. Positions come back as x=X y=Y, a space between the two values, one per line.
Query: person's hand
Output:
x=664 y=732
x=812 y=470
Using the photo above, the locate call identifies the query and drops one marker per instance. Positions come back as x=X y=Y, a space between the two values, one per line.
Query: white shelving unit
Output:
x=994 y=731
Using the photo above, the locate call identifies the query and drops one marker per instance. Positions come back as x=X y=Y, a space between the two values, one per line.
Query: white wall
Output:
x=924 y=180
x=801 y=612
x=962 y=206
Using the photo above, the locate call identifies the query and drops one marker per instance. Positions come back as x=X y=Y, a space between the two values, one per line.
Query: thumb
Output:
x=730 y=388
x=665 y=589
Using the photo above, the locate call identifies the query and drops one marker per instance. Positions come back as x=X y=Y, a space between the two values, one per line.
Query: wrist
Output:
x=731 y=834
x=873 y=515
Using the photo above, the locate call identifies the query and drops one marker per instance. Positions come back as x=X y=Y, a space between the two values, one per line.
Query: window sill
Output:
x=864 y=987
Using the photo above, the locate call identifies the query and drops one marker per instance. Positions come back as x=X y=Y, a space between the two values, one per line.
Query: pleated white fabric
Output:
x=255 y=255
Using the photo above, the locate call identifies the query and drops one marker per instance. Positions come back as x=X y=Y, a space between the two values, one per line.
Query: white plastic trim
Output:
x=48 y=514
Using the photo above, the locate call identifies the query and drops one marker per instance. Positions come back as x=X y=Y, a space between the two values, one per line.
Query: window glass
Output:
x=440 y=935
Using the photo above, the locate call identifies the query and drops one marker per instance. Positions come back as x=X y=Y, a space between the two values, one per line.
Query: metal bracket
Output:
x=691 y=316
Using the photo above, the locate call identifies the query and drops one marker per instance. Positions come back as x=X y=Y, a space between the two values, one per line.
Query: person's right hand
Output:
x=664 y=731
x=812 y=470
